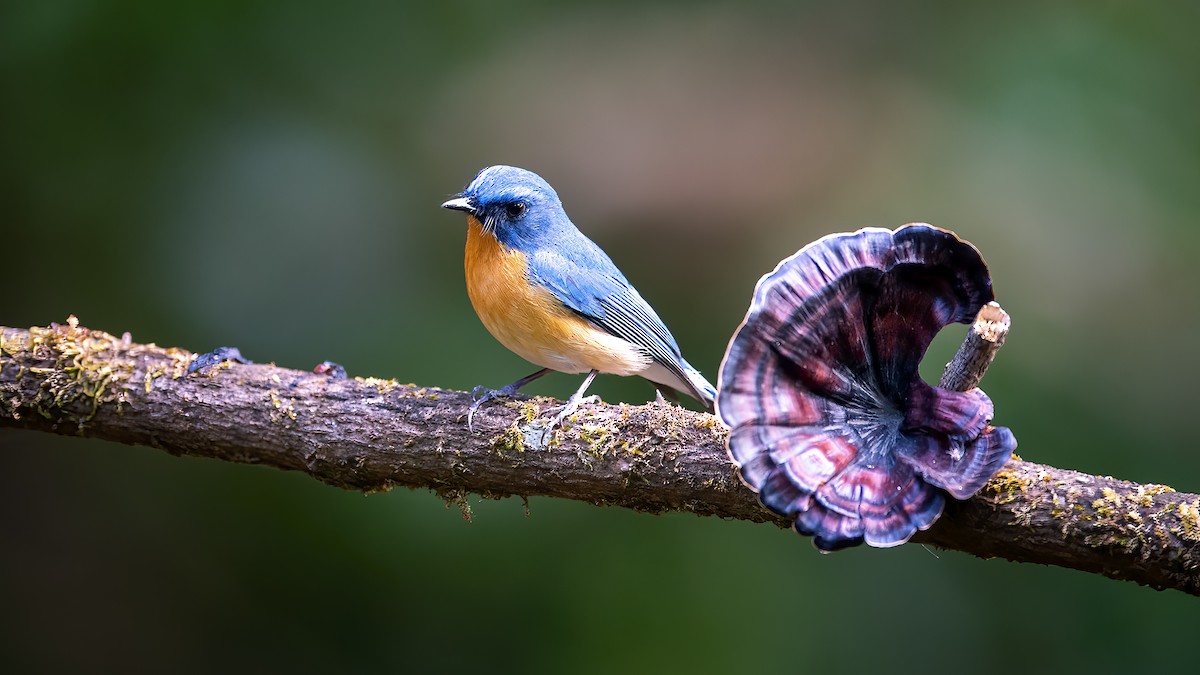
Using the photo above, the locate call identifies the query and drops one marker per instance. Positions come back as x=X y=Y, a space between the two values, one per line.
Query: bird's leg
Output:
x=576 y=399
x=482 y=394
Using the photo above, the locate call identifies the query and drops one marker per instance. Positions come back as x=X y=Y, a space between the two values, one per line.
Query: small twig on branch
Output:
x=369 y=434
x=966 y=370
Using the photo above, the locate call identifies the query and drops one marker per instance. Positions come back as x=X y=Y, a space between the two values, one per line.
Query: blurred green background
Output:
x=267 y=175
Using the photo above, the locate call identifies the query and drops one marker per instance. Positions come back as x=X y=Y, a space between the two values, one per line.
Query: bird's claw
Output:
x=570 y=407
x=479 y=396
x=471 y=411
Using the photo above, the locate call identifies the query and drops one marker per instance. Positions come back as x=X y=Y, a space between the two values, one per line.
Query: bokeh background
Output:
x=266 y=174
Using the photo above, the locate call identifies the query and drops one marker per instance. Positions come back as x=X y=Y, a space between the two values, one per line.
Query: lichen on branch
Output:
x=371 y=434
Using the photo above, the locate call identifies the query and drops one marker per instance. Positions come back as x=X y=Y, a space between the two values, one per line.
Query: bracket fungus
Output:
x=831 y=423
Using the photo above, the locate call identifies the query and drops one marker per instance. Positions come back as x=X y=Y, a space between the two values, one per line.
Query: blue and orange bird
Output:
x=551 y=296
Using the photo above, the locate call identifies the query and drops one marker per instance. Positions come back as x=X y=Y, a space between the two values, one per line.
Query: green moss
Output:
x=1109 y=504
x=1189 y=517
x=1006 y=487
x=511 y=439
x=633 y=448
x=83 y=366
x=283 y=408
x=529 y=412
x=151 y=375
x=597 y=437
x=1144 y=496
x=384 y=386
x=457 y=498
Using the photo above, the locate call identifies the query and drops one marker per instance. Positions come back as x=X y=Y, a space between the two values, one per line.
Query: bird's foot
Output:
x=481 y=395
x=570 y=407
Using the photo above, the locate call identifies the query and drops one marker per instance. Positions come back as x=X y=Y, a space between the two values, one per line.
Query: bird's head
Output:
x=514 y=205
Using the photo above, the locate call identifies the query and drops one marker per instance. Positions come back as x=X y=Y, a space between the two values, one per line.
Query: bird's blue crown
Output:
x=516 y=206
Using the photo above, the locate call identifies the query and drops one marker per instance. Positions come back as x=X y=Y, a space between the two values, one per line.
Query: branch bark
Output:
x=965 y=371
x=370 y=434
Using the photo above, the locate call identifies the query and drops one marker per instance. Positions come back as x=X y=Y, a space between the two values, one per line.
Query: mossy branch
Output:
x=369 y=434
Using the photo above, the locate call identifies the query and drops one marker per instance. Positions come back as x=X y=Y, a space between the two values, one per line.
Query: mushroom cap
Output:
x=831 y=423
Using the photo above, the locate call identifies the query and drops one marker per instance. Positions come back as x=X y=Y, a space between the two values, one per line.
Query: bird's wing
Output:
x=591 y=285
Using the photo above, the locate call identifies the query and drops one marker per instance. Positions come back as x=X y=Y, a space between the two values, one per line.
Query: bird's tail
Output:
x=678 y=375
x=701 y=389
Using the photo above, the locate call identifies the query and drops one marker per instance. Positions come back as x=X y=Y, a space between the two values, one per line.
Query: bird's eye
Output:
x=515 y=209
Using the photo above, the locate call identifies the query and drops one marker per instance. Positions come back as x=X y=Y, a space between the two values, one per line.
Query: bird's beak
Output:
x=461 y=204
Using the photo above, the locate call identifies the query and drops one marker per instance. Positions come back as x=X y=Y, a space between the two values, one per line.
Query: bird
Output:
x=553 y=297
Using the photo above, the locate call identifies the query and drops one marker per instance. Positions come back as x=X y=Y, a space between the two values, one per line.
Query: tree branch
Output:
x=370 y=434
x=965 y=371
